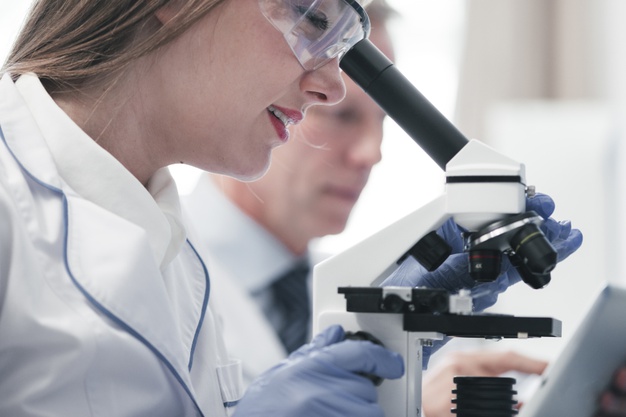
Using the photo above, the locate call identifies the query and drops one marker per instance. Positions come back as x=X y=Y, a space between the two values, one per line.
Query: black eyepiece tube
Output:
x=382 y=81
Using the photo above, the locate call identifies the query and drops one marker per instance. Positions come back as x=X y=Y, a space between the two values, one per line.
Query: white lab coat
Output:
x=236 y=247
x=249 y=335
x=90 y=325
x=237 y=250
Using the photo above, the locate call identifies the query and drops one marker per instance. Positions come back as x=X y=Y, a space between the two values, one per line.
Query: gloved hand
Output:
x=321 y=380
x=565 y=240
x=453 y=274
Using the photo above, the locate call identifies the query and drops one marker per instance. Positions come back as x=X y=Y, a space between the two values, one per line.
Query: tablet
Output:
x=571 y=385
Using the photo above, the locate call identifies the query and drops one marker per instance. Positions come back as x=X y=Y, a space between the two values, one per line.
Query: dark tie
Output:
x=291 y=300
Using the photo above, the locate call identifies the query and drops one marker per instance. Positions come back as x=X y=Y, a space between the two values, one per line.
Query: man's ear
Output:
x=167 y=12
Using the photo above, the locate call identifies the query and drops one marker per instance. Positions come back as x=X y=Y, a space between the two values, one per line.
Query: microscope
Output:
x=485 y=193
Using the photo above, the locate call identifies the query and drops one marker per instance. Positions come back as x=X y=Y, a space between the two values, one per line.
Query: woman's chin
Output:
x=251 y=173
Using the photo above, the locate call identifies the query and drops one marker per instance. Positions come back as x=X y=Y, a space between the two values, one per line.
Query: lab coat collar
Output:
x=123 y=280
x=97 y=176
x=120 y=277
x=254 y=257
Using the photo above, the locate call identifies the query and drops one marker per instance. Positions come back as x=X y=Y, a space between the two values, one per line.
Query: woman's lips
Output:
x=280 y=127
x=281 y=118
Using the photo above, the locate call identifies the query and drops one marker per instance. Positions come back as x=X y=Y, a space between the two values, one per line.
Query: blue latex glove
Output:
x=453 y=274
x=565 y=240
x=320 y=380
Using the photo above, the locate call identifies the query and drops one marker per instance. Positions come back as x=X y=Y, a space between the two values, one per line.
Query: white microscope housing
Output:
x=484 y=190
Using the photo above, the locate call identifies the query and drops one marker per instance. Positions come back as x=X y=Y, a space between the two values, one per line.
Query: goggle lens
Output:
x=317 y=30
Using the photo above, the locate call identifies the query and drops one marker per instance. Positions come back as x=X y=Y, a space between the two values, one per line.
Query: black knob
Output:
x=393 y=303
x=431 y=251
x=361 y=335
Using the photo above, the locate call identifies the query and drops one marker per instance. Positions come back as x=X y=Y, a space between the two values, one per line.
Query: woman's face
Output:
x=316 y=179
x=221 y=93
x=319 y=176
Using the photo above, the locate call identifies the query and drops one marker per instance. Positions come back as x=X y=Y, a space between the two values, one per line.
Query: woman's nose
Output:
x=324 y=85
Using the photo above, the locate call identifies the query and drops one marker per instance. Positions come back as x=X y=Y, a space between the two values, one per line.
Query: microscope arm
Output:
x=471 y=204
x=361 y=265
x=373 y=258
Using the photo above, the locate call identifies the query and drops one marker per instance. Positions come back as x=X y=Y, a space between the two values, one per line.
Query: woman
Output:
x=104 y=305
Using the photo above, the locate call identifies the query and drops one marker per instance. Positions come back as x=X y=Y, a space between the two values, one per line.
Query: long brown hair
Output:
x=70 y=42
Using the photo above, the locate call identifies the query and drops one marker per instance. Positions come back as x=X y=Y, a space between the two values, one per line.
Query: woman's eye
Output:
x=316 y=19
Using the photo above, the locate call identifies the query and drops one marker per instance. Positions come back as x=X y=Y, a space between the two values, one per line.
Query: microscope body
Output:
x=473 y=201
x=485 y=194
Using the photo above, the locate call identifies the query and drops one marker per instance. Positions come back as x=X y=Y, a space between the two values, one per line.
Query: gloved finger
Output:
x=452 y=275
x=542 y=204
x=363 y=410
x=352 y=407
x=408 y=274
x=363 y=357
x=338 y=390
x=553 y=229
x=484 y=298
x=565 y=247
x=563 y=234
x=485 y=295
x=453 y=234
x=328 y=336
x=565 y=229
x=311 y=386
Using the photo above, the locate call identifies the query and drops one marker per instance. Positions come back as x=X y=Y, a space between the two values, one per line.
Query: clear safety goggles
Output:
x=318 y=30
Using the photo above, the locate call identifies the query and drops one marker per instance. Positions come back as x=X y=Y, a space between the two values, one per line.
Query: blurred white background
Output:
x=540 y=80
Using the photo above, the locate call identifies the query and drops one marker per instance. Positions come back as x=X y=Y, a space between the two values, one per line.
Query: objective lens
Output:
x=535 y=251
x=484 y=265
x=535 y=281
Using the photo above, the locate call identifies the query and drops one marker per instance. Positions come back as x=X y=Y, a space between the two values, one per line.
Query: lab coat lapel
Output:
x=107 y=257
x=243 y=322
x=17 y=125
x=110 y=260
